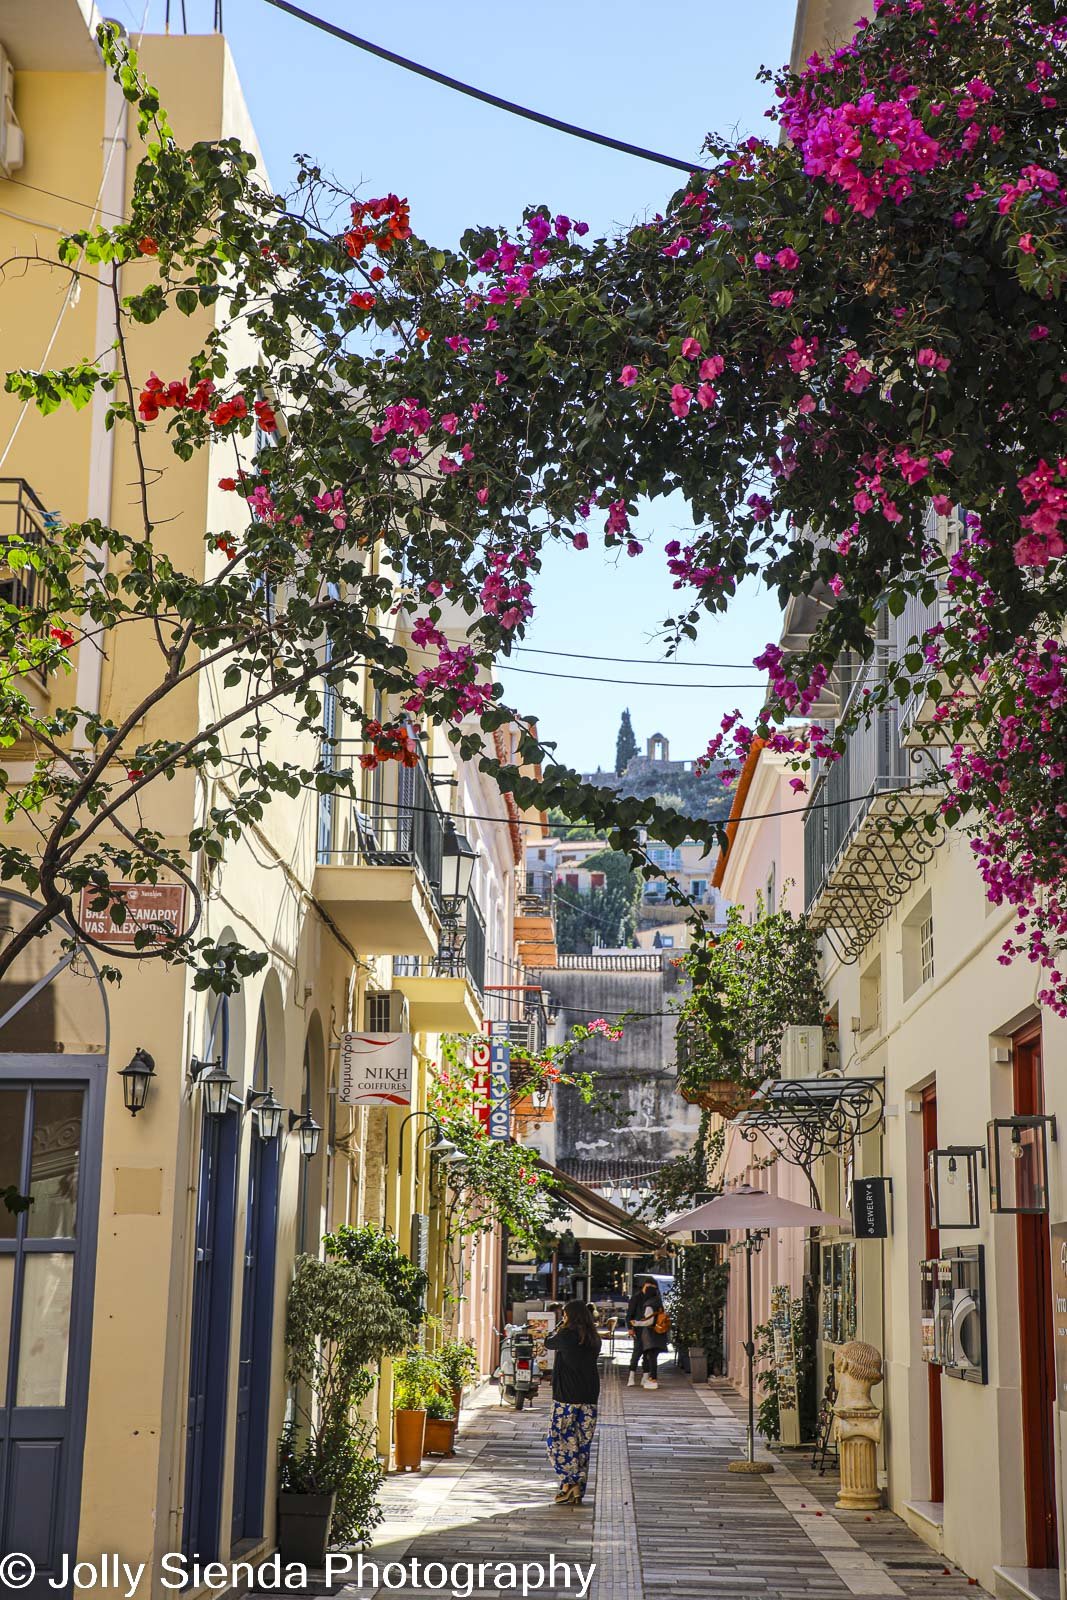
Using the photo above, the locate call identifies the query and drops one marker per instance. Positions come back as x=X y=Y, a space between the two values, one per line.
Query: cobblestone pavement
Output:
x=663 y=1517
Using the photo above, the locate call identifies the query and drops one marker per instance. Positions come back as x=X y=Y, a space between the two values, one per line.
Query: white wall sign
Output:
x=376 y=1069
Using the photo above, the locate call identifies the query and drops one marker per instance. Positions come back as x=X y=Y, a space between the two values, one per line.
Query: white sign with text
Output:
x=376 y=1069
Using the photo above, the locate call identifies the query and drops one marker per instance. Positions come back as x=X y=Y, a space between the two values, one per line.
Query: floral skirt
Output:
x=570 y=1439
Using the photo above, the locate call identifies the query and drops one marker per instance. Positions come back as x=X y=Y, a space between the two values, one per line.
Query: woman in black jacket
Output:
x=575 y=1392
x=645 y=1306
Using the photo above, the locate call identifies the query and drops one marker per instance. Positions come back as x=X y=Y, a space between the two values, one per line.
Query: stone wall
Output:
x=649 y=1121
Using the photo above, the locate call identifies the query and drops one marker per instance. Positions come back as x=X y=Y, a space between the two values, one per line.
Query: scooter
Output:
x=518 y=1373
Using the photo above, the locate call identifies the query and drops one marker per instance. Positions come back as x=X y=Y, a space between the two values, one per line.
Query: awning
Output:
x=813 y=1117
x=598 y=1225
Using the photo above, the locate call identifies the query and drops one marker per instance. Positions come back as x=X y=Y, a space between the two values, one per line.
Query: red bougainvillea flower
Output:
x=362 y=299
x=148 y=246
x=63 y=637
x=265 y=416
x=134 y=773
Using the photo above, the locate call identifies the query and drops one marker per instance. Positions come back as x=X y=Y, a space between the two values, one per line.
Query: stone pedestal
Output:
x=857 y=1425
x=858 y=1434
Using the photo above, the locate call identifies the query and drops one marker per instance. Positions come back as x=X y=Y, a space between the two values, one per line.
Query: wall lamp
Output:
x=310 y=1132
x=267 y=1109
x=137 y=1080
x=216 y=1084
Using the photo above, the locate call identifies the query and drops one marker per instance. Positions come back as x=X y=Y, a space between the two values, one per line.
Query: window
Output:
x=926 y=949
x=666 y=941
x=917 y=948
x=871 y=997
x=772 y=890
x=699 y=888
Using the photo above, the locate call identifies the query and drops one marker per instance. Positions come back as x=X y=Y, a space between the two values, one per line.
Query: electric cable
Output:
x=573 y=128
x=629 y=683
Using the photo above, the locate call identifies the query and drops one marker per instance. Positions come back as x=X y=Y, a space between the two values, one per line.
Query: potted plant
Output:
x=440 y=1439
x=416 y=1382
x=338 y=1322
x=457 y=1360
x=697 y=1307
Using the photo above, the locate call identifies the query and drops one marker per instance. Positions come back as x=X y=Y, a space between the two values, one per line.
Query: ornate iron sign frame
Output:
x=816 y=1117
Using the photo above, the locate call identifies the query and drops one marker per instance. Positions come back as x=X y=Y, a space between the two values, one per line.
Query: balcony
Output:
x=869 y=829
x=24 y=523
x=445 y=992
x=535 y=923
x=379 y=866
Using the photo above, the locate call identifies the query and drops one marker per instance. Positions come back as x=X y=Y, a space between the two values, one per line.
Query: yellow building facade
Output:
x=142 y=1301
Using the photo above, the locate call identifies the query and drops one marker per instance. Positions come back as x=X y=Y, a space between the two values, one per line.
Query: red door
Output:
x=933 y=1250
x=1035 y=1333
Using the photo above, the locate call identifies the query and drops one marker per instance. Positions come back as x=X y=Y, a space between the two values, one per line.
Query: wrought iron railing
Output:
x=400 y=832
x=461 y=952
x=24 y=522
x=874 y=762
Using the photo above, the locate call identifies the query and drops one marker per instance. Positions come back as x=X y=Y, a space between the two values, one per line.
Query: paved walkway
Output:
x=664 y=1519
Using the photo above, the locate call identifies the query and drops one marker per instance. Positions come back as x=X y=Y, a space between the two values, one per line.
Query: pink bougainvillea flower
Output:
x=449 y=422
x=500 y=378
x=806 y=405
x=788 y=259
x=706 y=396
x=628 y=377
x=482 y=496
x=712 y=367
x=681 y=399
x=782 y=299
x=580 y=540
x=691 y=349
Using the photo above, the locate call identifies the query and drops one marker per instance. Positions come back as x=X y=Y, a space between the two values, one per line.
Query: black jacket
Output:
x=638 y=1309
x=575 y=1376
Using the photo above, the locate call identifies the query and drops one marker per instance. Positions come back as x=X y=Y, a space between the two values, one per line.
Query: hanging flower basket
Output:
x=720 y=1094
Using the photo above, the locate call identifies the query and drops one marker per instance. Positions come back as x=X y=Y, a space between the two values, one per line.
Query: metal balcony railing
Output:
x=24 y=521
x=461 y=952
x=874 y=762
x=538 y=897
x=387 y=832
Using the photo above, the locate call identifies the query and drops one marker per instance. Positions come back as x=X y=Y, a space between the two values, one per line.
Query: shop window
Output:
x=917 y=950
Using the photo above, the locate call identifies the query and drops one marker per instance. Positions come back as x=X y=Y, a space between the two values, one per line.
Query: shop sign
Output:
x=157 y=906
x=1059 y=1308
x=870 y=1213
x=376 y=1069
x=499 y=1089
x=481 y=1061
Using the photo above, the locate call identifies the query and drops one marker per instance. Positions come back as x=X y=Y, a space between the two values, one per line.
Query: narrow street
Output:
x=663 y=1515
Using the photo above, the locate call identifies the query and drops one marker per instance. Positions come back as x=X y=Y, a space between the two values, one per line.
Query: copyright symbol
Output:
x=16 y=1571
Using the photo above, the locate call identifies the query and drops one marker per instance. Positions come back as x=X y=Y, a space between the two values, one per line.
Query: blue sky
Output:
x=656 y=74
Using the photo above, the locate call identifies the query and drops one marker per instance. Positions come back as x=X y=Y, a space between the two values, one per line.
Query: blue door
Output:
x=50 y=1124
x=251 y=1440
x=209 y=1352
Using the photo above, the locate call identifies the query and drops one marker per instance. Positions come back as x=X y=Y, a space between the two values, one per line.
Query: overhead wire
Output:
x=629 y=683
x=499 y=101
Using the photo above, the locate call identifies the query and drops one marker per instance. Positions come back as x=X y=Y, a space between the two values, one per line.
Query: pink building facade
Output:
x=764 y=866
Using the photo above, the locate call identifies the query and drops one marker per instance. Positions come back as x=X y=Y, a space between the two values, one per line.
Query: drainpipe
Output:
x=110 y=201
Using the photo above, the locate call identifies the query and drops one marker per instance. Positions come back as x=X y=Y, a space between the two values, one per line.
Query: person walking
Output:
x=644 y=1316
x=575 y=1393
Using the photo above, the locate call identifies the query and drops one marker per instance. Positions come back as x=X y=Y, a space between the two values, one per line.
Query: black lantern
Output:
x=540 y=1096
x=1018 y=1164
x=136 y=1081
x=952 y=1179
x=457 y=863
x=216 y=1083
x=309 y=1131
x=268 y=1110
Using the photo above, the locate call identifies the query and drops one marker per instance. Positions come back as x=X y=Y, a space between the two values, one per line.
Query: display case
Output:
x=838 y=1292
x=953 y=1313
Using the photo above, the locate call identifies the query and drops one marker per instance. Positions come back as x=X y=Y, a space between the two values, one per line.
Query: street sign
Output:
x=157 y=906
x=870 y=1212
x=376 y=1069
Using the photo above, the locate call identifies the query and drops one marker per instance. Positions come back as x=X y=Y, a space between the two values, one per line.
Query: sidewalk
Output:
x=663 y=1516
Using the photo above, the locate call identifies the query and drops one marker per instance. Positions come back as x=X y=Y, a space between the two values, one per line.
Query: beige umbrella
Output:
x=757 y=1212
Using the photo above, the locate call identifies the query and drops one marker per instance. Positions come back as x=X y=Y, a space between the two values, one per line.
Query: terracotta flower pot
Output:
x=410 y=1435
x=440 y=1436
x=721 y=1095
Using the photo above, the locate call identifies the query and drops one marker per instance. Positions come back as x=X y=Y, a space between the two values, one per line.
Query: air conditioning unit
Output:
x=801 y=1051
x=385 y=1011
x=12 y=144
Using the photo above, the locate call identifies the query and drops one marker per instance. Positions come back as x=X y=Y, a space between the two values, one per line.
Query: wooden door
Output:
x=933 y=1249
x=1038 y=1368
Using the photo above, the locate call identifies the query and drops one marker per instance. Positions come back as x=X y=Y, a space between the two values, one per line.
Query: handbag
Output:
x=662 y=1323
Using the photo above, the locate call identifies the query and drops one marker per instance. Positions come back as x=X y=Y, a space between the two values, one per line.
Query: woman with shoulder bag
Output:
x=575 y=1393
x=651 y=1326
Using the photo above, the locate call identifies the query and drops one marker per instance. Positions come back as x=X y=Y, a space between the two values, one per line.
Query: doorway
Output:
x=209 y=1347
x=50 y=1133
x=933 y=1250
x=1036 y=1338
